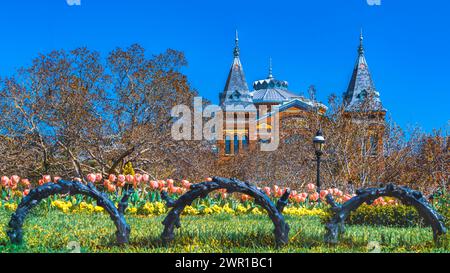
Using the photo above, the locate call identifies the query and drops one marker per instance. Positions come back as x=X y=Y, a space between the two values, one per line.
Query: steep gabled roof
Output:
x=236 y=92
x=361 y=94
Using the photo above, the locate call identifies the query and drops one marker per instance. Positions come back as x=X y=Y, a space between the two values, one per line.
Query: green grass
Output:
x=52 y=231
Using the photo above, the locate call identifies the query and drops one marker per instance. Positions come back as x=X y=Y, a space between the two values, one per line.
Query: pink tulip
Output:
x=41 y=182
x=293 y=194
x=112 y=178
x=186 y=184
x=304 y=195
x=47 y=178
x=56 y=179
x=267 y=191
x=161 y=184
x=91 y=178
x=311 y=187
x=154 y=185
x=121 y=178
x=145 y=178
x=98 y=178
x=129 y=178
x=5 y=181
x=15 y=179
x=170 y=183
x=209 y=179
x=138 y=178
x=338 y=193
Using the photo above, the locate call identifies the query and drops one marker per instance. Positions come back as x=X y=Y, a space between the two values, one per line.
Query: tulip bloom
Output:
x=112 y=178
x=145 y=178
x=47 y=178
x=26 y=183
x=267 y=191
x=323 y=194
x=209 y=179
x=311 y=187
x=129 y=178
x=15 y=179
x=314 y=197
x=154 y=185
x=56 y=179
x=26 y=192
x=91 y=178
x=5 y=181
x=98 y=178
x=245 y=197
x=186 y=184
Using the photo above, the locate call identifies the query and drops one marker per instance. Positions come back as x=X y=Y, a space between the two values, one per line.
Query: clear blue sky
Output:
x=310 y=41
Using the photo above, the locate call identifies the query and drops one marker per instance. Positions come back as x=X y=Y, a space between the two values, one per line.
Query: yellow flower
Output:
x=189 y=210
x=99 y=209
x=207 y=211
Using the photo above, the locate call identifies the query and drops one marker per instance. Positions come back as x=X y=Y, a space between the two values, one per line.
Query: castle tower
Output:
x=363 y=104
x=237 y=104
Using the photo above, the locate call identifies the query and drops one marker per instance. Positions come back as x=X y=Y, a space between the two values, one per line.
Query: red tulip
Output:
x=26 y=192
x=323 y=194
x=41 y=182
x=245 y=197
x=56 y=179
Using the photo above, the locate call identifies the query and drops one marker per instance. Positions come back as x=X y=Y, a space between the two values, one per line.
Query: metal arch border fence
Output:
x=15 y=226
x=406 y=195
x=202 y=190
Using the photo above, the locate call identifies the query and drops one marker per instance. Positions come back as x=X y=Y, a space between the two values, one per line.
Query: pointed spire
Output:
x=270 y=69
x=236 y=47
x=361 y=46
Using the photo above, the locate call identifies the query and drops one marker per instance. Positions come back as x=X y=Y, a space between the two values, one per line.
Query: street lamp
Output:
x=319 y=143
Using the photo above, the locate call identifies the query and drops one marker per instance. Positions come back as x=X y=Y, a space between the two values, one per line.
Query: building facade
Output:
x=249 y=115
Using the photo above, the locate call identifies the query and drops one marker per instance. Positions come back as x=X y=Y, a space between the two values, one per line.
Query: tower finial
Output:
x=270 y=69
x=236 y=48
x=361 y=45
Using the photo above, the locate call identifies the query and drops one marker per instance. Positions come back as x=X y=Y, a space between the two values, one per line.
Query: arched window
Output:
x=236 y=144
x=373 y=145
x=227 y=145
x=245 y=142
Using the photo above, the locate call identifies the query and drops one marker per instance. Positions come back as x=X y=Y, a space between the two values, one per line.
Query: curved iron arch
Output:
x=231 y=185
x=15 y=232
x=406 y=195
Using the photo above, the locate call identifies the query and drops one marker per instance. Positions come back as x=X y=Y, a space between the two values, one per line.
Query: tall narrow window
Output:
x=227 y=145
x=245 y=142
x=373 y=145
x=236 y=144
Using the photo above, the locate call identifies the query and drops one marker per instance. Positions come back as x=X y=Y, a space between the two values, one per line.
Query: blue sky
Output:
x=310 y=41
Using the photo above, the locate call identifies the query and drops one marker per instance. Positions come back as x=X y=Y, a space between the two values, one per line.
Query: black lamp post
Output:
x=319 y=143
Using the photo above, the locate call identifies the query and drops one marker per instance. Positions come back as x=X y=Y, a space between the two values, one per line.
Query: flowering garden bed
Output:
x=57 y=215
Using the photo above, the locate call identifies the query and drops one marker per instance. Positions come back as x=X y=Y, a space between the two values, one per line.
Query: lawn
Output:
x=52 y=231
